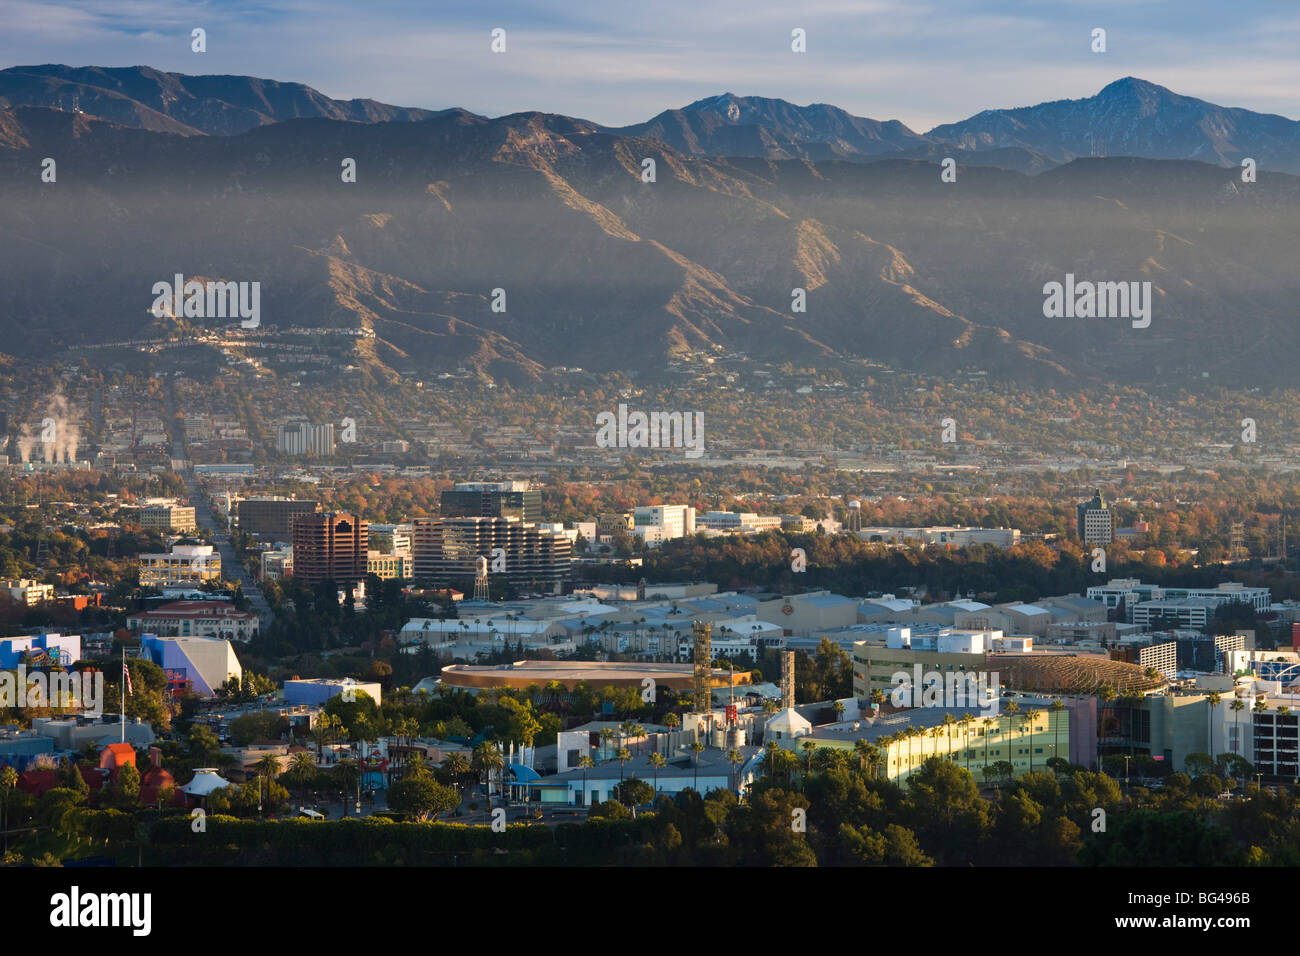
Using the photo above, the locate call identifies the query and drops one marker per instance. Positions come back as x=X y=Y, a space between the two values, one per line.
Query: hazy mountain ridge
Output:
x=603 y=270
x=146 y=98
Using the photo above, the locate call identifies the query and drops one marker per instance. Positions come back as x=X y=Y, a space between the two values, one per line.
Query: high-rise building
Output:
x=446 y=550
x=492 y=499
x=330 y=546
x=301 y=438
x=1096 y=522
x=271 y=517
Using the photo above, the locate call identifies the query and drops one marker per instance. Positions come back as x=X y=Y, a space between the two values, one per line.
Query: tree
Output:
x=420 y=796
x=8 y=780
x=268 y=768
x=634 y=792
x=126 y=789
x=1213 y=700
x=585 y=762
x=622 y=755
x=486 y=760
x=456 y=766
x=302 y=770
x=347 y=776
x=696 y=748
x=895 y=846
x=325 y=729
x=808 y=746
x=657 y=761
x=734 y=757
x=1237 y=707
x=203 y=744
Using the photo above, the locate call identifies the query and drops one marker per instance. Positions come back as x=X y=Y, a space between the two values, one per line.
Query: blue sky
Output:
x=924 y=62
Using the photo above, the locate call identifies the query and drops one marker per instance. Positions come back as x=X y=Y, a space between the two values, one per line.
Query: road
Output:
x=232 y=568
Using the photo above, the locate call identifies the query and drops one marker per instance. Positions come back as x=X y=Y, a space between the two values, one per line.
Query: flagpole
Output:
x=123 y=693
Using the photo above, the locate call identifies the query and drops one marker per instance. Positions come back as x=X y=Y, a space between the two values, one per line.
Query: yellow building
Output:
x=389 y=567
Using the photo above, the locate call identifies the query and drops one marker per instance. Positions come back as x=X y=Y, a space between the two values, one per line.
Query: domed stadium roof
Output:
x=1070 y=673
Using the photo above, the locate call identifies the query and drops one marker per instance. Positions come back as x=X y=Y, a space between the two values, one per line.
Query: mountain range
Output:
x=238 y=178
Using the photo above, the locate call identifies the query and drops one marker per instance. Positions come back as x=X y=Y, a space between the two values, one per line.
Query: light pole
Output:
x=1127 y=783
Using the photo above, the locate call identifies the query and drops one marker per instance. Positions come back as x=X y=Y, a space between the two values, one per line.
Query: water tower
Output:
x=855 y=516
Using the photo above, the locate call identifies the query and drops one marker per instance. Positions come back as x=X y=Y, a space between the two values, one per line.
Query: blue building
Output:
x=39 y=649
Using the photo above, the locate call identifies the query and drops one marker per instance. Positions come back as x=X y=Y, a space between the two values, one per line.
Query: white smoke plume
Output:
x=65 y=429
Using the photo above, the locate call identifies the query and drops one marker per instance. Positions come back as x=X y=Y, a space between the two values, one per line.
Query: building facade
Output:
x=271 y=517
x=188 y=563
x=448 y=549
x=492 y=499
x=330 y=546
x=1095 y=521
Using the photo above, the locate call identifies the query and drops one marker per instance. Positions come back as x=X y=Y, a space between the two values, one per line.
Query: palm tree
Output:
x=8 y=780
x=585 y=762
x=622 y=755
x=268 y=767
x=696 y=747
x=671 y=721
x=769 y=757
x=933 y=733
x=1027 y=720
x=948 y=721
x=734 y=757
x=838 y=707
x=606 y=735
x=456 y=766
x=966 y=721
x=1056 y=707
x=326 y=728
x=1237 y=707
x=1213 y=700
x=302 y=768
x=861 y=748
x=874 y=760
x=347 y=775
x=989 y=723
x=636 y=732
x=877 y=697
x=656 y=761
x=808 y=747
x=486 y=760
x=1012 y=709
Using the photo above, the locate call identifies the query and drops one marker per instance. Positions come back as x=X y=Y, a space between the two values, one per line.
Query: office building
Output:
x=447 y=550
x=492 y=499
x=330 y=546
x=303 y=438
x=271 y=517
x=656 y=523
x=189 y=563
x=167 y=518
x=1096 y=522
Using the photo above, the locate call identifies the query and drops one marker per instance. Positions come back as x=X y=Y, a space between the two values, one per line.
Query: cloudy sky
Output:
x=924 y=62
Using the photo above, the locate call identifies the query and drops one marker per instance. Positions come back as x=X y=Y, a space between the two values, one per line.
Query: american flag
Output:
x=126 y=675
